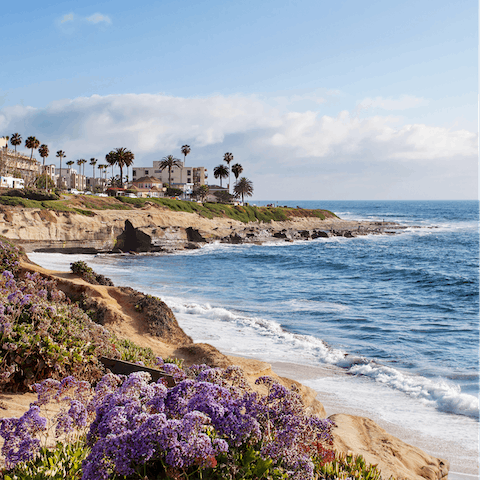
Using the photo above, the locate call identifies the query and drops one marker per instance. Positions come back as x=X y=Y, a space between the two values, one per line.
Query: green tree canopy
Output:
x=243 y=188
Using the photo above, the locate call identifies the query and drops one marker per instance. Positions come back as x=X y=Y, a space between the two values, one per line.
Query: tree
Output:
x=44 y=181
x=201 y=192
x=43 y=151
x=228 y=158
x=93 y=162
x=6 y=138
x=16 y=140
x=237 y=169
x=110 y=159
x=123 y=158
x=221 y=171
x=185 y=151
x=60 y=154
x=70 y=163
x=81 y=162
x=169 y=162
x=33 y=143
x=243 y=188
x=223 y=197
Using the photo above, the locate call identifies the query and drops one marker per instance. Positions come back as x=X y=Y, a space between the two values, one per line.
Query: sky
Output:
x=316 y=99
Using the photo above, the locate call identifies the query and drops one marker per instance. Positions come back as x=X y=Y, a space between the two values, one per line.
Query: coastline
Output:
x=415 y=464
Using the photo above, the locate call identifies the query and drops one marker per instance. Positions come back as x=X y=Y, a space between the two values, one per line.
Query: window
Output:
x=189 y=172
x=189 y=180
x=146 y=172
x=134 y=173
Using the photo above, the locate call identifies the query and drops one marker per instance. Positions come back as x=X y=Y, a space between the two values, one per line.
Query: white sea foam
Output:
x=267 y=339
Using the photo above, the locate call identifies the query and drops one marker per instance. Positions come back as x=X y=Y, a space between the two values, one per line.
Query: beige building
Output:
x=18 y=163
x=180 y=175
x=70 y=179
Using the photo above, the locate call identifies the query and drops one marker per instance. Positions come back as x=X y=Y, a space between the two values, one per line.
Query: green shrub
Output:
x=59 y=463
x=83 y=270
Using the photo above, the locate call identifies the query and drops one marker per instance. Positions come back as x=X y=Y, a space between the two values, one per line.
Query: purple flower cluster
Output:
x=189 y=424
x=211 y=415
x=20 y=436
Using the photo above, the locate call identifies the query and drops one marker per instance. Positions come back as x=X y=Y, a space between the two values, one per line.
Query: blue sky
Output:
x=316 y=99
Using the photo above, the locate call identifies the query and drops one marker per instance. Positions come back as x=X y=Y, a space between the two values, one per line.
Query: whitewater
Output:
x=384 y=326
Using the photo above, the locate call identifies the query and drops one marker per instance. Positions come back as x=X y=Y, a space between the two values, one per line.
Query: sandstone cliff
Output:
x=156 y=228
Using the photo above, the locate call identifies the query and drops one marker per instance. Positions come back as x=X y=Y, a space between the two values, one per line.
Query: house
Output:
x=12 y=182
x=148 y=187
x=179 y=175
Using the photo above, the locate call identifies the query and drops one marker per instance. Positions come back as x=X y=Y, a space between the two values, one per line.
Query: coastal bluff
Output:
x=115 y=308
x=155 y=228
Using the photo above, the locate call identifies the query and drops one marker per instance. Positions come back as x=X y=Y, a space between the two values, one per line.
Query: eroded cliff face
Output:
x=156 y=228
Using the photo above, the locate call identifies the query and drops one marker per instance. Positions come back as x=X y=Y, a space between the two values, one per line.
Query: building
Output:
x=180 y=175
x=12 y=182
x=97 y=182
x=16 y=163
x=71 y=179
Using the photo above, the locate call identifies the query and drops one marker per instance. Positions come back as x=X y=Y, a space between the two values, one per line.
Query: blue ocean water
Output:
x=397 y=316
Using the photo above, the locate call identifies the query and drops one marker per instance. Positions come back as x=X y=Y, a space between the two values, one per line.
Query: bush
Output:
x=83 y=270
x=31 y=194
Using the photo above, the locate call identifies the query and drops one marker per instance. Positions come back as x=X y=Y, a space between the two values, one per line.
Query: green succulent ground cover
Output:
x=86 y=205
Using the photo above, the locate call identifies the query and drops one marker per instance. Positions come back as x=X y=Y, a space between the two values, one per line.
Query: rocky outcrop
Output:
x=154 y=229
x=394 y=457
x=133 y=240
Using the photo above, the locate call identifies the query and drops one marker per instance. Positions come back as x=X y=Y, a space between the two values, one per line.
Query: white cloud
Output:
x=402 y=103
x=98 y=17
x=263 y=138
x=67 y=18
x=149 y=123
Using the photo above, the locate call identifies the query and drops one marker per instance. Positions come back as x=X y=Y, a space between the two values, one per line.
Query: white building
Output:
x=12 y=182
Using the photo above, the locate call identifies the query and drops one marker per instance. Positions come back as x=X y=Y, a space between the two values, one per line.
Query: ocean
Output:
x=384 y=326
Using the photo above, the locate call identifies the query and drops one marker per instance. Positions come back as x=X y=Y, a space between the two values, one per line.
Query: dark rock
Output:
x=191 y=246
x=280 y=235
x=235 y=238
x=320 y=234
x=194 y=235
x=133 y=240
x=304 y=233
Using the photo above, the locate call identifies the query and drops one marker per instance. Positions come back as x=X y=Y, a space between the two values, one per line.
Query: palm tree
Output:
x=169 y=162
x=110 y=159
x=221 y=171
x=6 y=138
x=228 y=158
x=123 y=158
x=60 y=154
x=101 y=167
x=104 y=168
x=185 y=151
x=43 y=151
x=93 y=162
x=244 y=187
x=16 y=140
x=237 y=169
x=33 y=143
x=70 y=163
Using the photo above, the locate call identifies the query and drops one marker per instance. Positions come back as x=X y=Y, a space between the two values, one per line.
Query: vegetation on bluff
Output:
x=87 y=204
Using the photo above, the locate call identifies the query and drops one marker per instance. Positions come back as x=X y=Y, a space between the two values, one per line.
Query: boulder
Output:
x=193 y=235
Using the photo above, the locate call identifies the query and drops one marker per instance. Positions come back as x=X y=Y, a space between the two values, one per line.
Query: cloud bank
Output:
x=263 y=137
